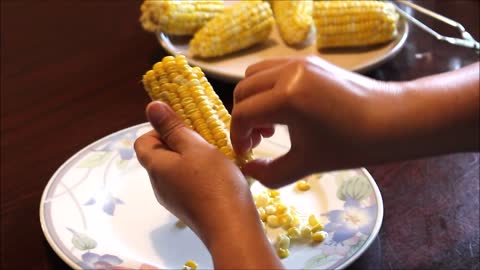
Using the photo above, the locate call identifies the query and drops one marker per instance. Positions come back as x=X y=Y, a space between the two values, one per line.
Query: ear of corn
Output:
x=178 y=17
x=354 y=23
x=239 y=26
x=187 y=91
x=294 y=19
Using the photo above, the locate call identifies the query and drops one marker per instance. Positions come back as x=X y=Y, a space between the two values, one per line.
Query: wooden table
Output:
x=70 y=74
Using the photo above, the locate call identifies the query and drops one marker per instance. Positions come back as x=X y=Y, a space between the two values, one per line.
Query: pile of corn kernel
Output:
x=275 y=214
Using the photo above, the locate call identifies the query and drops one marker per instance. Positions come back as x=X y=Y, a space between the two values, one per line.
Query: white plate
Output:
x=232 y=67
x=98 y=210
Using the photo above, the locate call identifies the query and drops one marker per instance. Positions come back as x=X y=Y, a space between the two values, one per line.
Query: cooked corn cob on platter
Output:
x=225 y=37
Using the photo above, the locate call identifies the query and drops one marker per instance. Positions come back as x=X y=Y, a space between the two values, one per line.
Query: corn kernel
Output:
x=272 y=221
x=280 y=208
x=312 y=220
x=317 y=228
x=179 y=224
x=282 y=253
x=303 y=185
x=293 y=233
x=306 y=232
x=319 y=236
x=270 y=209
x=273 y=193
x=283 y=241
x=295 y=221
x=261 y=200
x=262 y=213
x=285 y=219
x=190 y=265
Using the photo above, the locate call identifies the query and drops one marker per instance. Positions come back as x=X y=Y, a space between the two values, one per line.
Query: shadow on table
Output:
x=371 y=259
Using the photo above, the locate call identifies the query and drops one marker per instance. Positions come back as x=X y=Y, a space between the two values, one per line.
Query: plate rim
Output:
x=400 y=41
x=74 y=265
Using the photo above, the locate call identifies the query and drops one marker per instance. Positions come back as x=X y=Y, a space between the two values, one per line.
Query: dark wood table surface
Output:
x=70 y=74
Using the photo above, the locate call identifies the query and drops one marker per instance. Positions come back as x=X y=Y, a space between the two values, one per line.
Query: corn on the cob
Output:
x=187 y=91
x=294 y=19
x=354 y=23
x=178 y=17
x=239 y=26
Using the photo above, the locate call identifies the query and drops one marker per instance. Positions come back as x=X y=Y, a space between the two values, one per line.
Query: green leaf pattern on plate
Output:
x=357 y=188
x=82 y=241
x=94 y=160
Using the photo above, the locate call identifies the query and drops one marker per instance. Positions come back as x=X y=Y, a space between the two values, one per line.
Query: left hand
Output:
x=190 y=177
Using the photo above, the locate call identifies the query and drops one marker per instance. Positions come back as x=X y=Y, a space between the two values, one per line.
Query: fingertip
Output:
x=156 y=111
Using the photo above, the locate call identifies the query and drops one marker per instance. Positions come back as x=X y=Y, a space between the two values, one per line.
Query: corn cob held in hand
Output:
x=354 y=23
x=183 y=17
x=239 y=26
x=187 y=91
x=294 y=19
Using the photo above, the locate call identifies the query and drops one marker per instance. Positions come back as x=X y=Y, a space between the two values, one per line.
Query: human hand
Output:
x=333 y=116
x=206 y=190
x=190 y=177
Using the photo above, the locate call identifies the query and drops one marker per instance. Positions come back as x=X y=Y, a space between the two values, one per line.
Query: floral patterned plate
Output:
x=98 y=211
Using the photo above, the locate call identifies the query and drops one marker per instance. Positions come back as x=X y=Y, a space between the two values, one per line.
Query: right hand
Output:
x=332 y=117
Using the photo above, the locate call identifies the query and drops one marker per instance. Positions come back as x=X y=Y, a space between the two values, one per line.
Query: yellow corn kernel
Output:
x=316 y=228
x=303 y=185
x=306 y=232
x=280 y=208
x=239 y=26
x=293 y=233
x=190 y=265
x=270 y=209
x=312 y=220
x=285 y=220
x=273 y=222
x=295 y=221
x=261 y=200
x=179 y=224
x=178 y=17
x=273 y=193
x=262 y=213
x=294 y=19
x=185 y=89
x=283 y=241
x=319 y=236
x=282 y=253
x=354 y=23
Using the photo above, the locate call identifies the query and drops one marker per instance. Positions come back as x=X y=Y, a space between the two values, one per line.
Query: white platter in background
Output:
x=232 y=67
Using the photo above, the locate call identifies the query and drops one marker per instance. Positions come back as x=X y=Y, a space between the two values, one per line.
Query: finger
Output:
x=266 y=64
x=277 y=172
x=263 y=109
x=149 y=148
x=257 y=83
x=259 y=133
x=256 y=137
x=267 y=132
x=170 y=127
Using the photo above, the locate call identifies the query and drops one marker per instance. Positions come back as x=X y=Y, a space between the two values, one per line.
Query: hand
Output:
x=206 y=190
x=190 y=177
x=338 y=119
x=330 y=113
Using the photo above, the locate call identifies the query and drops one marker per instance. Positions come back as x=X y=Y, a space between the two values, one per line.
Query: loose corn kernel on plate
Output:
x=232 y=66
x=99 y=210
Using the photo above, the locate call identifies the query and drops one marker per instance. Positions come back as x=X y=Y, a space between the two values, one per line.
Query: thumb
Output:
x=277 y=172
x=170 y=127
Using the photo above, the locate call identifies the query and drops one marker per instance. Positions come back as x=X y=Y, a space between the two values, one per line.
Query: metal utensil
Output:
x=466 y=41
